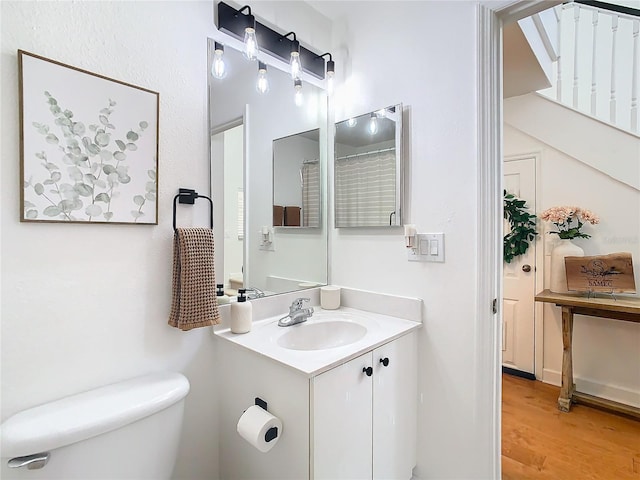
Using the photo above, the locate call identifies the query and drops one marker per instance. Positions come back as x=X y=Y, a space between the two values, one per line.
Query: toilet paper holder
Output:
x=272 y=433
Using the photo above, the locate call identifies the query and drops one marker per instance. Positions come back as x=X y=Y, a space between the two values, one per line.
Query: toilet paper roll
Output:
x=260 y=428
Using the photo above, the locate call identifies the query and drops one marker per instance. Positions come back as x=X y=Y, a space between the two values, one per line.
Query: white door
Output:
x=395 y=408
x=341 y=422
x=518 y=304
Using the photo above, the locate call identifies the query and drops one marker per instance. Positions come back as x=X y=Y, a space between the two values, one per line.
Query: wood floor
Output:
x=540 y=442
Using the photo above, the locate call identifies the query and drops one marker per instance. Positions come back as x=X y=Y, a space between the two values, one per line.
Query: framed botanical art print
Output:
x=88 y=146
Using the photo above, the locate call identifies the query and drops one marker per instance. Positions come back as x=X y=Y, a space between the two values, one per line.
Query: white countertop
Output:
x=265 y=334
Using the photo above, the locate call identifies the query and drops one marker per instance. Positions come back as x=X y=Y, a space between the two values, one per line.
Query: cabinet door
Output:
x=395 y=408
x=341 y=422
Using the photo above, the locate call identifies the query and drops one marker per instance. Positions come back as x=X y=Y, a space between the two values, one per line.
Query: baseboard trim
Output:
x=552 y=377
x=609 y=392
x=518 y=373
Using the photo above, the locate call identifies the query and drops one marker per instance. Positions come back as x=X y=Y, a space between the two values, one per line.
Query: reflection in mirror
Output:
x=245 y=128
x=233 y=173
x=368 y=169
x=296 y=180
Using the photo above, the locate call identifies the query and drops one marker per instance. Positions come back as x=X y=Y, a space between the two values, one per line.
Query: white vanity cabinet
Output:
x=364 y=415
x=338 y=422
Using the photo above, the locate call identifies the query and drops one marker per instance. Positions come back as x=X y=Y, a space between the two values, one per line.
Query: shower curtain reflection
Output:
x=310 y=173
x=365 y=188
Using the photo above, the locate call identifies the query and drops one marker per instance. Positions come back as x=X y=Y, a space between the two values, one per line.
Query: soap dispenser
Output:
x=220 y=295
x=241 y=314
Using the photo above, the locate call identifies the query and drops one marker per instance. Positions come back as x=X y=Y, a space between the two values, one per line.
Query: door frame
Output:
x=216 y=184
x=492 y=16
x=538 y=245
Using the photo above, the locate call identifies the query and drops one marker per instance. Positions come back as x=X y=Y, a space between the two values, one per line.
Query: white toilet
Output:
x=127 y=430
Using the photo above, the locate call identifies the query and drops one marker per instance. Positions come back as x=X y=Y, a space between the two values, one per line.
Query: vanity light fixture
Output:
x=250 y=39
x=235 y=23
x=218 y=67
x=373 y=124
x=298 y=98
x=262 y=83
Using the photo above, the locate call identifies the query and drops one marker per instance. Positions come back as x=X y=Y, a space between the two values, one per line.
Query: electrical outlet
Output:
x=267 y=239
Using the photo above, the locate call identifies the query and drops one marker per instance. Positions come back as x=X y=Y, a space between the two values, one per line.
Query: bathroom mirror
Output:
x=368 y=169
x=296 y=180
x=248 y=130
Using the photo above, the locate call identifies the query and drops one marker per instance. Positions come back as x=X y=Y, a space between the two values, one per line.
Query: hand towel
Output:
x=193 y=302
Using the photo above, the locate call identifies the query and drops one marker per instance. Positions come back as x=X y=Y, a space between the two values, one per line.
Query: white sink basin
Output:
x=322 y=335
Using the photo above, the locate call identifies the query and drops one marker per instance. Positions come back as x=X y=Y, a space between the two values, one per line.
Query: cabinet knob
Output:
x=368 y=371
x=385 y=361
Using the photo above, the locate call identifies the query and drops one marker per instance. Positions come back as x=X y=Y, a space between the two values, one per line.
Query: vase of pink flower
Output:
x=569 y=222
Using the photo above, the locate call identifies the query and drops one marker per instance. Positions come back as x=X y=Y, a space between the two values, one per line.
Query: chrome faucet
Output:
x=253 y=292
x=297 y=314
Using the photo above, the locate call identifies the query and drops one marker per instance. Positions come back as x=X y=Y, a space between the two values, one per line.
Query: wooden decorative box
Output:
x=611 y=273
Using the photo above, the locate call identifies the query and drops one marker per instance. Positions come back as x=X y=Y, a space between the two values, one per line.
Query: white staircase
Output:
x=612 y=151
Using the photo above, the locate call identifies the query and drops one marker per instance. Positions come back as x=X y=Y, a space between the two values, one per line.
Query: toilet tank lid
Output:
x=85 y=415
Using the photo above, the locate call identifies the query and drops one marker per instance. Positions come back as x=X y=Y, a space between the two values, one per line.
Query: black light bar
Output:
x=233 y=22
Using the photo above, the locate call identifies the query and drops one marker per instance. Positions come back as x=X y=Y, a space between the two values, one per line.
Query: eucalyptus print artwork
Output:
x=89 y=151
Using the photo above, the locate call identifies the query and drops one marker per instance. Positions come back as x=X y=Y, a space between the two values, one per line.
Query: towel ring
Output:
x=188 y=196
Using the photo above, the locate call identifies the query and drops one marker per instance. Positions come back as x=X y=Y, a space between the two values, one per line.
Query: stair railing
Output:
x=590 y=39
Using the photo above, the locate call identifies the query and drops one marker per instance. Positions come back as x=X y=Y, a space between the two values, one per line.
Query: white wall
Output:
x=605 y=356
x=289 y=155
x=86 y=305
x=423 y=54
x=343 y=150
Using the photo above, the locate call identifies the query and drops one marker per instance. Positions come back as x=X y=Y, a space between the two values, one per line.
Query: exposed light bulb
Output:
x=373 y=124
x=296 y=66
x=298 y=98
x=262 y=83
x=218 y=68
x=250 y=43
x=352 y=122
x=330 y=76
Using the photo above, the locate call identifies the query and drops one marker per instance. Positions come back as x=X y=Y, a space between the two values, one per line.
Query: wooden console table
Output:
x=619 y=308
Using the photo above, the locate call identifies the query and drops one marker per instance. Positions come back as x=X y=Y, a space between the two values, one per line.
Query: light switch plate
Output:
x=429 y=248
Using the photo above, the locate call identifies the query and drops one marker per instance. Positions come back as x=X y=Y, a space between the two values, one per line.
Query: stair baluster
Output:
x=634 y=78
x=594 y=81
x=576 y=19
x=612 y=100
